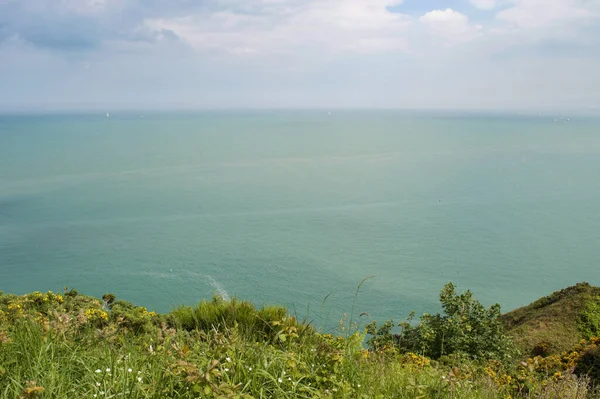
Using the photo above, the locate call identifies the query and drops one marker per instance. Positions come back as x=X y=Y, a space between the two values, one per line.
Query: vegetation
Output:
x=556 y=323
x=74 y=346
x=465 y=328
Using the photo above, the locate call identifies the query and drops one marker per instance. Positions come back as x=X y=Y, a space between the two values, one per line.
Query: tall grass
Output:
x=221 y=315
x=74 y=347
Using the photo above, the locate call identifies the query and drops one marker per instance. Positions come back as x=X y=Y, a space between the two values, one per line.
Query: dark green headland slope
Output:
x=557 y=322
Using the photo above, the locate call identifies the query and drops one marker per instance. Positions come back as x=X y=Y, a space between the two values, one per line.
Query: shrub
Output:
x=381 y=337
x=588 y=364
x=589 y=318
x=542 y=349
x=465 y=327
x=135 y=318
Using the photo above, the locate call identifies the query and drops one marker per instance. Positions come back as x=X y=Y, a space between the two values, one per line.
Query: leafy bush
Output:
x=589 y=318
x=542 y=349
x=465 y=327
x=588 y=364
x=135 y=318
x=381 y=337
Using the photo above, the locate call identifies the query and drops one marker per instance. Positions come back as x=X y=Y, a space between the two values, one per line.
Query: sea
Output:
x=360 y=213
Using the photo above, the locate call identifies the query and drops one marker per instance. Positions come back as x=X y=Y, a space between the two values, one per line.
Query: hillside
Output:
x=70 y=345
x=557 y=322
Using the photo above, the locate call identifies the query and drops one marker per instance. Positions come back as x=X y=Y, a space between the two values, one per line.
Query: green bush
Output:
x=588 y=365
x=589 y=318
x=381 y=337
x=542 y=349
x=466 y=327
x=135 y=318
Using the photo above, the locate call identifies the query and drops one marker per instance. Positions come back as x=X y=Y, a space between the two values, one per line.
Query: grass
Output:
x=552 y=324
x=75 y=346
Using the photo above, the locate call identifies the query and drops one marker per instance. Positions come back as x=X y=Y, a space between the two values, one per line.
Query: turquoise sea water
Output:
x=288 y=207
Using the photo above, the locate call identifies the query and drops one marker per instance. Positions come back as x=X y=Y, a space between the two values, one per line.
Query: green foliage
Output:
x=381 y=337
x=219 y=314
x=542 y=349
x=588 y=364
x=589 y=318
x=135 y=318
x=72 y=346
x=553 y=323
x=466 y=327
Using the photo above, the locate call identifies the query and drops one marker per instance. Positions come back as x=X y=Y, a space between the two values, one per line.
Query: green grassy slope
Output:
x=556 y=322
x=74 y=346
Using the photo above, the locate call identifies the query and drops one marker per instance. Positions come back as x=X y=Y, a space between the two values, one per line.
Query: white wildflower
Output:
x=280 y=380
x=226 y=370
x=98 y=371
x=228 y=359
x=101 y=392
x=107 y=370
x=97 y=384
x=249 y=368
x=129 y=370
x=139 y=379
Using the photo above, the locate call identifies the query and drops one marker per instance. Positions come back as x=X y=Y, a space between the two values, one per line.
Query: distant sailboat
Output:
x=107 y=115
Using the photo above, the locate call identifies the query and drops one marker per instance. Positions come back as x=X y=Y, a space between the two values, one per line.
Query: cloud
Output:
x=237 y=53
x=247 y=27
x=535 y=14
x=73 y=25
x=319 y=29
x=452 y=26
x=266 y=27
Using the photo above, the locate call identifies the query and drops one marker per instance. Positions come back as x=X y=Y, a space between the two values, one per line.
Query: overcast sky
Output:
x=142 y=54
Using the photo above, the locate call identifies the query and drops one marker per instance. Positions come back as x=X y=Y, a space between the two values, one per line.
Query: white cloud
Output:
x=237 y=53
x=533 y=14
x=335 y=26
x=451 y=26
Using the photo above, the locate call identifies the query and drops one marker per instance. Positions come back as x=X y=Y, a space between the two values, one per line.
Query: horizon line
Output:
x=138 y=109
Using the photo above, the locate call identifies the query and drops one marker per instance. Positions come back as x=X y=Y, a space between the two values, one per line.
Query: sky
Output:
x=196 y=54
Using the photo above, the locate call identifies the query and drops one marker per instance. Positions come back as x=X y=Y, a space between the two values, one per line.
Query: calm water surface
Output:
x=288 y=207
